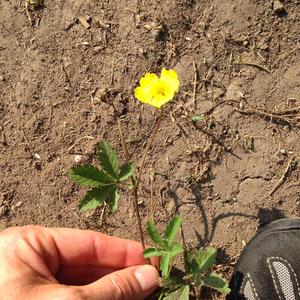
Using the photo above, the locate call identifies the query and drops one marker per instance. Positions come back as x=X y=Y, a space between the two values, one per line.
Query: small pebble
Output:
x=37 y=156
x=278 y=7
x=283 y=151
x=78 y=158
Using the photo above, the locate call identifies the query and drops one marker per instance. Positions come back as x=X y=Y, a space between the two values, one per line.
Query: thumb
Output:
x=133 y=283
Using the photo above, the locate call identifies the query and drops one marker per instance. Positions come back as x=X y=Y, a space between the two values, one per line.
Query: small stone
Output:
x=37 y=156
x=170 y=206
x=78 y=158
x=278 y=7
x=283 y=151
x=3 y=210
x=2 y=78
x=20 y=203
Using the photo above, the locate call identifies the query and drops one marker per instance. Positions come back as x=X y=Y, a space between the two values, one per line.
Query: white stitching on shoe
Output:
x=249 y=279
x=282 y=260
x=271 y=270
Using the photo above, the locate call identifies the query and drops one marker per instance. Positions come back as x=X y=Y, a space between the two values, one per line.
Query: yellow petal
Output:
x=149 y=79
x=159 y=101
x=170 y=77
x=143 y=92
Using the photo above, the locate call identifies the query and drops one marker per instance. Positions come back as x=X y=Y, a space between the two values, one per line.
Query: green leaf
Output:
x=109 y=160
x=165 y=265
x=206 y=258
x=126 y=171
x=88 y=176
x=113 y=200
x=95 y=197
x=152 y=252
x=175 y=249
x=216 y=282
x=181 y=294
x=172 y=229
x=154 y=235
x=198 y=118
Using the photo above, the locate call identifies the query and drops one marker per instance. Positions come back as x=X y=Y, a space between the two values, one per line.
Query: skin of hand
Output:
x=70 y=264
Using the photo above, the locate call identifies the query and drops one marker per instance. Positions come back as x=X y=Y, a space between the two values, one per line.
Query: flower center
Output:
x=161 y=90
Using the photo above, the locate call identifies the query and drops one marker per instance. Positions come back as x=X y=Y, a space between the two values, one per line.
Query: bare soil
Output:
x=64 y=83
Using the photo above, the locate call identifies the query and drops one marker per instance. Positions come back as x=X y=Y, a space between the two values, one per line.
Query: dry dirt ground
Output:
x=67 y=74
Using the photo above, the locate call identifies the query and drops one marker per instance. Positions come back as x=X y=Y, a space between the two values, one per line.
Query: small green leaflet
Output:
x=172 y=229
x=89 y=176
x=165 y=264
x=181 y=294
x=154 y=235
x=126 y=171
x=113 y=200
x=95 y=197
x=216 y=282
x=109 y=160
x=150 y=252
x=206 y=258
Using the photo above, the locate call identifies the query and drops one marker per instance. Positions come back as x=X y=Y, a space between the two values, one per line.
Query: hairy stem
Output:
x=136 y=183
x=148 y=146
x=135 y=195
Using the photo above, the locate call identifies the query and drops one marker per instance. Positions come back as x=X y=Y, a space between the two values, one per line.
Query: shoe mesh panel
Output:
x=248 y=292
x=285 y=280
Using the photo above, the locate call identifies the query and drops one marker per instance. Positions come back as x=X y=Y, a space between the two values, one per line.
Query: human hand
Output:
x=69 y=264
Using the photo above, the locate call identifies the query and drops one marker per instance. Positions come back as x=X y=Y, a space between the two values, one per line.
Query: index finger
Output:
x=85 y=247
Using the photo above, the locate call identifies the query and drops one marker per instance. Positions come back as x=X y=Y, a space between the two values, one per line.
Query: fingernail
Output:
x=147 y=277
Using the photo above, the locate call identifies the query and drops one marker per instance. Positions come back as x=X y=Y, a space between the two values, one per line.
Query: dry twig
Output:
x=80 y=139
x=195 y=82
x=291 y=165
x=246 y=63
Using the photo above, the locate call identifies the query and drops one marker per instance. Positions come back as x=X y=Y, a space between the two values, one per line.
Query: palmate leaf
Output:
x=95 y=197
x=154 y=235
x=126 y=171
x=88 y=176
x=181 y=294
x=109 y=160
x=150 y=252
x=216 y=282
x=172 y=229
x=205 y=258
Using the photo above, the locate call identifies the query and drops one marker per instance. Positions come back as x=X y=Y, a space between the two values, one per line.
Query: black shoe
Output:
x=269 y=267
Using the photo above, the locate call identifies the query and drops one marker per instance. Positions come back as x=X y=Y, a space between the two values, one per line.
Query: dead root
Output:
x=290 y=117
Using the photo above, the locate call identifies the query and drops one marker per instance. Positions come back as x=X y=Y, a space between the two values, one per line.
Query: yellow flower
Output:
x=157 y=91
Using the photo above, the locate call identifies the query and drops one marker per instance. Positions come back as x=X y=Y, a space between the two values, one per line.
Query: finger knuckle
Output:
x=21 y=231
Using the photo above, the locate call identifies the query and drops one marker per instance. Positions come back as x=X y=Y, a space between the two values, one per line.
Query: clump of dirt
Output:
x=67 y=73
